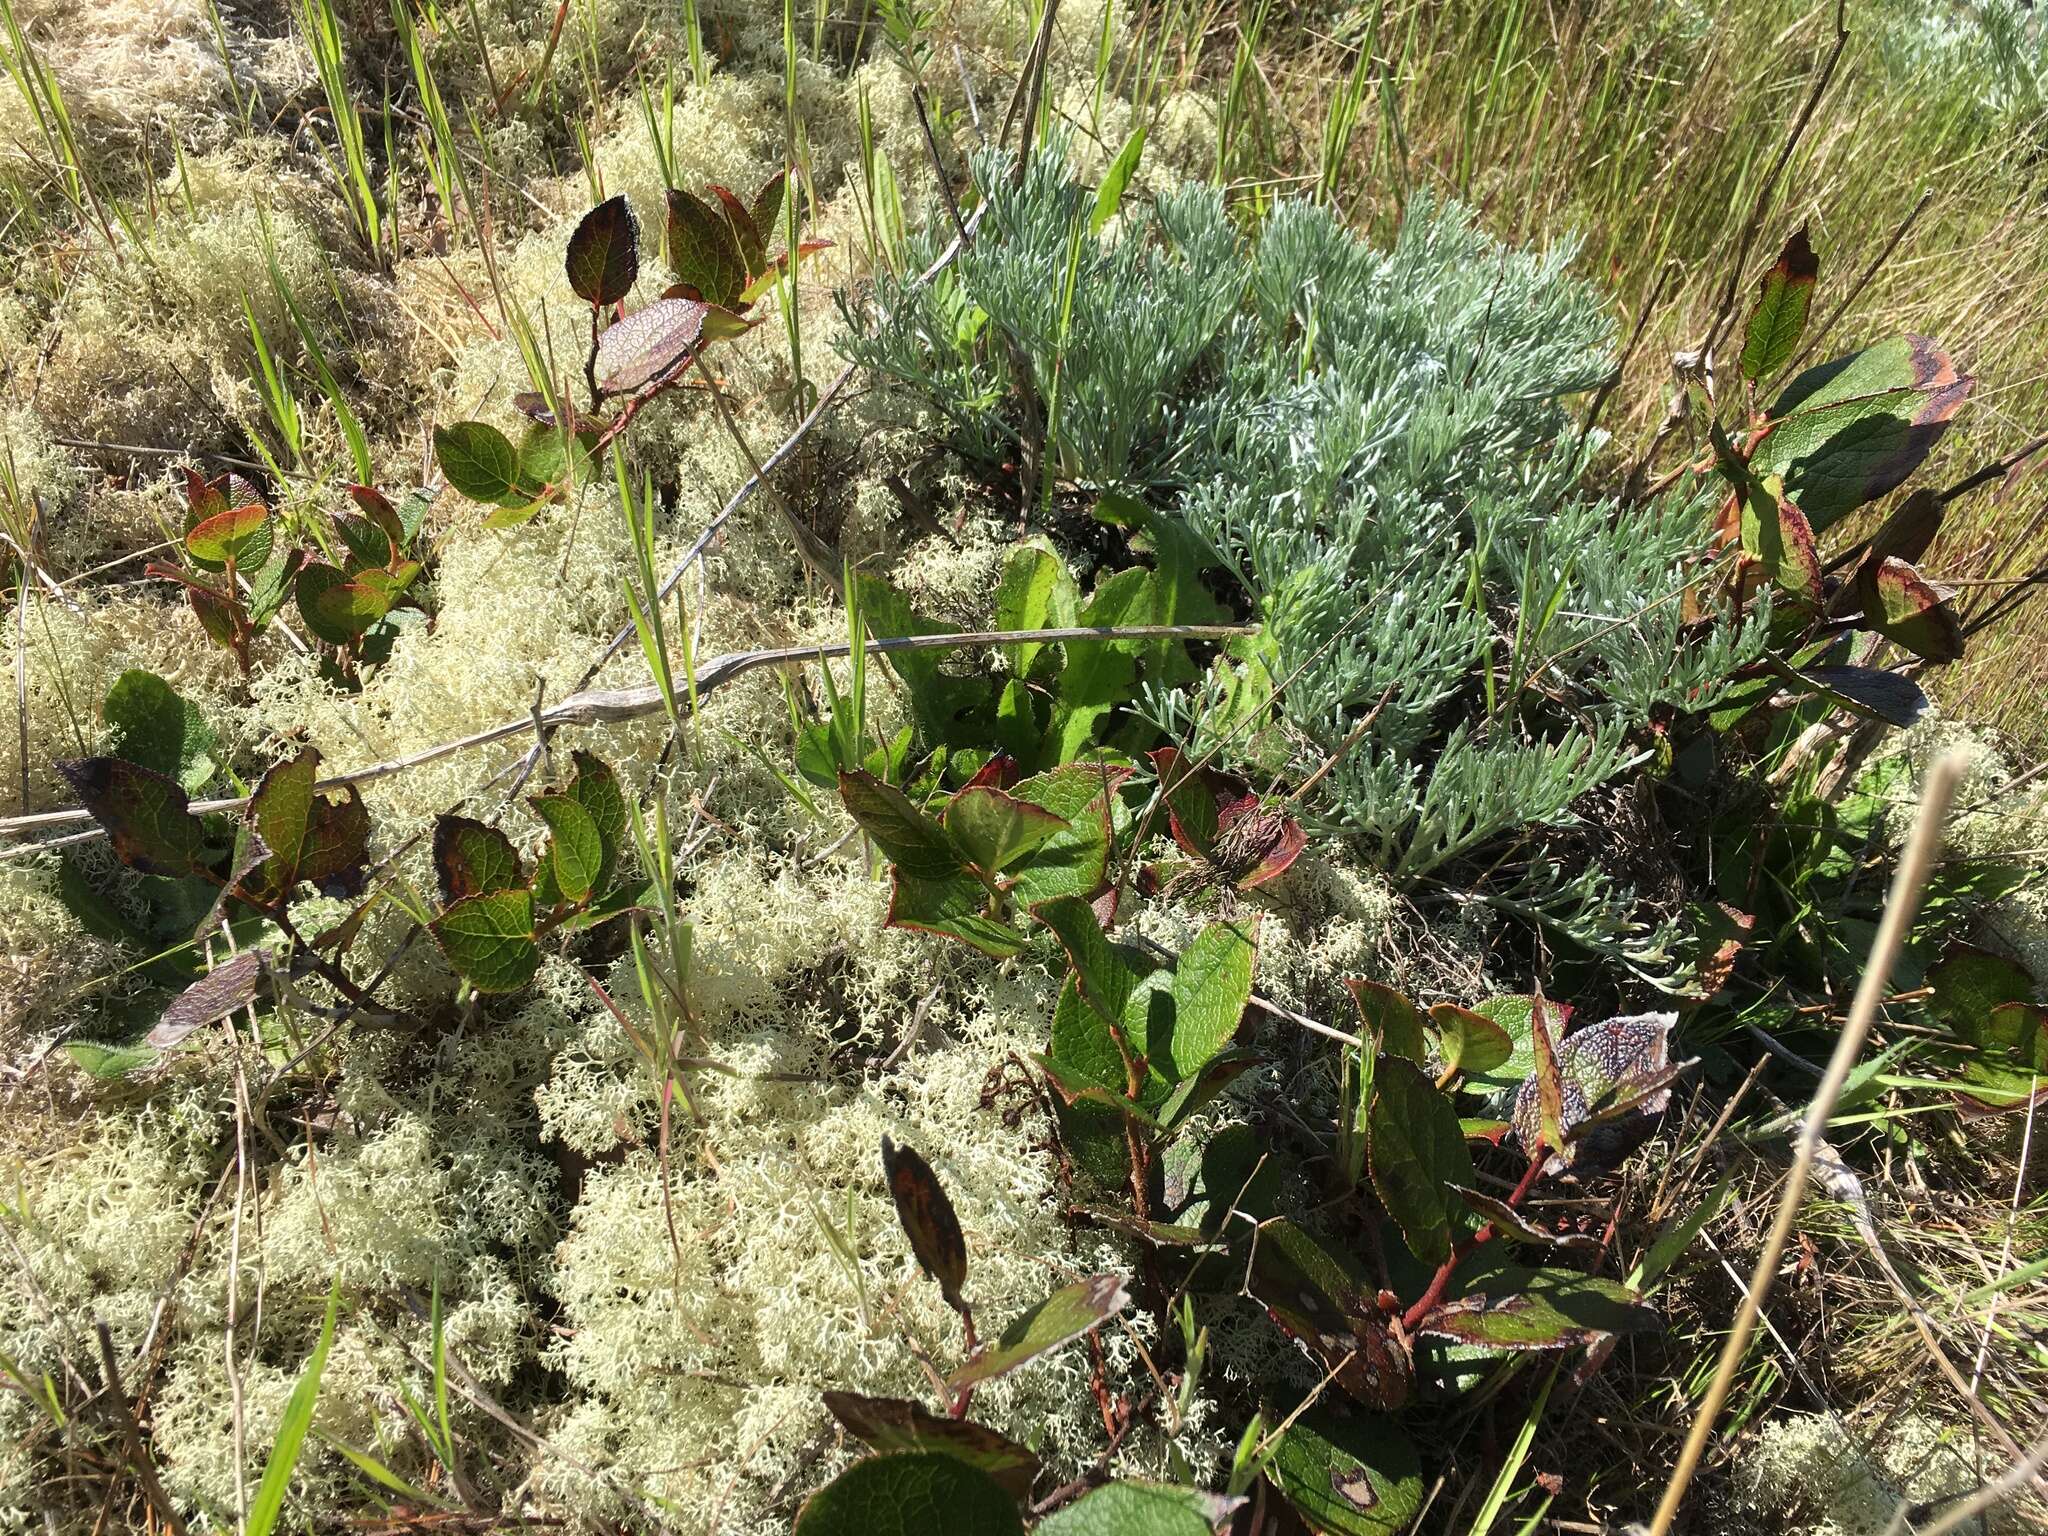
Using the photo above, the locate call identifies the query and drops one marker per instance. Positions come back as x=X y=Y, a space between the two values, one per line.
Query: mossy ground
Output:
x=505 y=1161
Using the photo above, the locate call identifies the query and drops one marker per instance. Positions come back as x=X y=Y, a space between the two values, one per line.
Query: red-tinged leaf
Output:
x=144 y=814
x=222 y=618
x=702 y=250
x=203 y=497
x=1543 y=1092
x=1319 y=1303
x=471 y=859
x=231 y=985
x=765 y=212
x=1390 y=1019
x=1908 y=610
x=896 y=1424
x=1619 y=1066
x=928 y=1220
x=382 y=514
x=744 y=233
x=240 y=534
x=1511 y=1223
x=1850 y=431
x=1783 y=301
x=1218 y=819
x=767 y=280
x=319 y=836
x=649 y=344
x=604 y=253
x=1472 y=1043
x=999 y=772
x=1061 y=1318
x=1776 y=534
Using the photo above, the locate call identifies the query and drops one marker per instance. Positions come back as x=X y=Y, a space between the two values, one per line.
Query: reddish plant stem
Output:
x=1412 y=1318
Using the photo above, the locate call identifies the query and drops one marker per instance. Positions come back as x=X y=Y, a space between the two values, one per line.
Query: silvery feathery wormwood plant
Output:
x=1372 y=444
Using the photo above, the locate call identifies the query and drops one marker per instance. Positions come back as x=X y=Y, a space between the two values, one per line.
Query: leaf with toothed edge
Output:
x=1618 y=1065
x=702 y=250
x=1060 y=1319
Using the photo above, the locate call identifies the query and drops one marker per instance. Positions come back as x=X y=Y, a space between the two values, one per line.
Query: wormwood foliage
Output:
x=1372 y=444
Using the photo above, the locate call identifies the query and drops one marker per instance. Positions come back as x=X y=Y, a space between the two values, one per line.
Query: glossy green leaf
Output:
x=993 y=830
x=1141 y=1509
x=1099 y=674
x=1390 y=1019
x=1061 y=1318
x=1472 y=1043
x=1349 y=1474
x=702 y=252
x=1416 y=1150
x=489 y=939
x=1074 y=861
x=1783 y=301
x=574 y=859
x=1848 y=431
x=910 y=1493
x=1497 y=1304
x=1036 y=592
x=479 y=461
x=1212 y=983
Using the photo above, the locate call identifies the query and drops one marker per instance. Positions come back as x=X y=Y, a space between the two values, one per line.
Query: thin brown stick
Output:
x=1907 y=887
x=601 y=706
x=131 y=1437
x=1768 y=189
